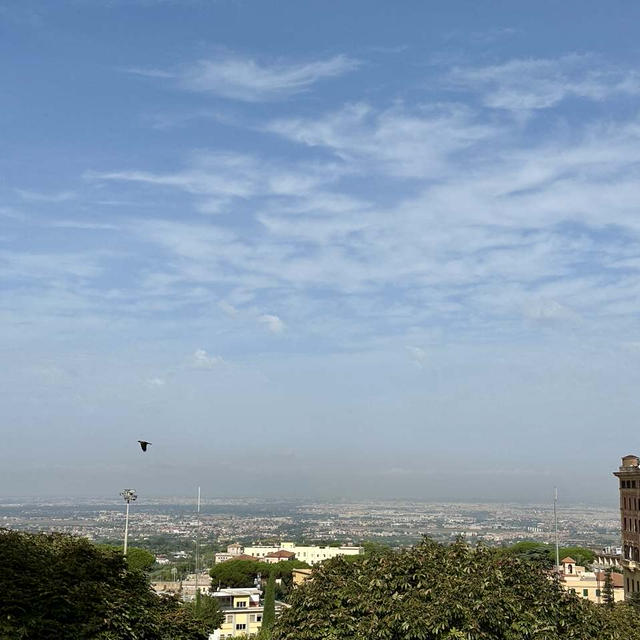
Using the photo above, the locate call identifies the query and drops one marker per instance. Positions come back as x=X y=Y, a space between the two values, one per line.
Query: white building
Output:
x=309 y=554
x=233 y=551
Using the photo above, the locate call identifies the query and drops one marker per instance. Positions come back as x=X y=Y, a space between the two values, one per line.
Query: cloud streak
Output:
x=539 y=83
x=242 y=78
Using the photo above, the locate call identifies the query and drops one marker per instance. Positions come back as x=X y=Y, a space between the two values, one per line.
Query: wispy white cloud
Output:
x=418 y=355
x=400 y=141
x=539 y=83
x=216 y=179
x=202 y=360
x=243 y=78
x=155 y=383
x=228 y=308
x=273 y=323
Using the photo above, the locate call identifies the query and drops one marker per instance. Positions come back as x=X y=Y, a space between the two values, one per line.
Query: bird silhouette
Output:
x=144 y=444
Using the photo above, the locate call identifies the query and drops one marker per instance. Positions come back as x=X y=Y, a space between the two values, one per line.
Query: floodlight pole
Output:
x=198 y=552
x=555 y=520
x=129 y=496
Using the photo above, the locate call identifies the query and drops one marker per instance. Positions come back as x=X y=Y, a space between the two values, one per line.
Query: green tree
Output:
x=545 y=554
x=269 y=614
x=608 y=598
x=437 y=592
x=243 y=573
x=57 y=586
x=207 y=610
x=581 y=555
x=137 y=558
x=235 y=573
x=537 y=553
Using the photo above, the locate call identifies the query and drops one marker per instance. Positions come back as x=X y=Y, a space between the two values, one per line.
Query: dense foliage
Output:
x=436 y=592
x=608 y=595
x=58 y=586
x=206 y=609
x=137 y=558
x=243 y=573
x=269 y=614
x=545 y=554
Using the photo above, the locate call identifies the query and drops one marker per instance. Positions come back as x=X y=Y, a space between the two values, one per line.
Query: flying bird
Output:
x=144 y=444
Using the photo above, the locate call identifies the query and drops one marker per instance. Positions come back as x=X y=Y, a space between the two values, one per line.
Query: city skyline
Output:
x=317 y=249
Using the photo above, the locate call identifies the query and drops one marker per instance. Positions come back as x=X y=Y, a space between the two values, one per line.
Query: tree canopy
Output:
x=56 y=586
x=137 y=558
x=437 y=592
x=243 y=573
x=545 y=554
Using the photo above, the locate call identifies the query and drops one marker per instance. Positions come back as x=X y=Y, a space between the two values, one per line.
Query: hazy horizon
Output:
x=319 y=249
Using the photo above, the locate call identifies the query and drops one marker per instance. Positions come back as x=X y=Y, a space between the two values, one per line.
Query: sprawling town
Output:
x=188 y=538
x=253 y=520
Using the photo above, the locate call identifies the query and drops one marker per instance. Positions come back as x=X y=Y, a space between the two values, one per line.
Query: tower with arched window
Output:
x=629 y=477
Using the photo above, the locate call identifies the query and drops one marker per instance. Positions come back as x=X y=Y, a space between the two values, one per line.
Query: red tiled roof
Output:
x=280 y=554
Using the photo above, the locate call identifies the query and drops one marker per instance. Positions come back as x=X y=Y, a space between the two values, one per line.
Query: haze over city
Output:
x=319 y=249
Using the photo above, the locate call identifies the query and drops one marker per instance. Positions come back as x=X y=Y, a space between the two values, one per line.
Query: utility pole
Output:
x=555 y=520
x=129 y=496
x=198 y=551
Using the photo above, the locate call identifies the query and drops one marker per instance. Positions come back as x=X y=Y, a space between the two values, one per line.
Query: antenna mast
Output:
x=198 y=550
x=555 y=521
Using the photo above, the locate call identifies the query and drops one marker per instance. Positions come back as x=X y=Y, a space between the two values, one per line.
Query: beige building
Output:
x=233 y=551
x=300 y=576
x=278 y=556
x=309 y=554
x=588 y=584
x=186 y=589
x=629 y=478
x=242 y=612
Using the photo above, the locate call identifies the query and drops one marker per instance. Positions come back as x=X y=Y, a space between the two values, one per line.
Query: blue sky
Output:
x=319 y=248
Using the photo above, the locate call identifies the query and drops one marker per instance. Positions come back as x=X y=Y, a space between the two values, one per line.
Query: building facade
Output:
x=629 y=486
x=588 y=584
x=309 y=554
x=242 y=612
x=608 y=558
x=233 y=551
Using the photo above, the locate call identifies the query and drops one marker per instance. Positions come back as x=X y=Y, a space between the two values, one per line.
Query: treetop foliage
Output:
x=436 y=592
x=242 y=573
x=137 y=558
x=545 y=554
x=55 y=586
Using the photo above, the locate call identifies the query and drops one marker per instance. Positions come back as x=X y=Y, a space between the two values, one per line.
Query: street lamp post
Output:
x=129 y=496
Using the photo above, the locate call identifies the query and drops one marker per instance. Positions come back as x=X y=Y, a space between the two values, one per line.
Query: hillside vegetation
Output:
x=60 y=587
x=437 y=592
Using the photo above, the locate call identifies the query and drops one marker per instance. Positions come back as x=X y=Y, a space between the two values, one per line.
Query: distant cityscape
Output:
x=254 y=521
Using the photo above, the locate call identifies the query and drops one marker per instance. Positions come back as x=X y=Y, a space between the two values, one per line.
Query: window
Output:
x=585 y=593
x=597 y=593
x=241 y=626
x=259 y=617
x=228 y=619
x=241 y=603
x=252 y=617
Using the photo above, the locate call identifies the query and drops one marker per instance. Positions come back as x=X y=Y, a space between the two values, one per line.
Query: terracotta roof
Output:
x=567 y=560
x=280 y=554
